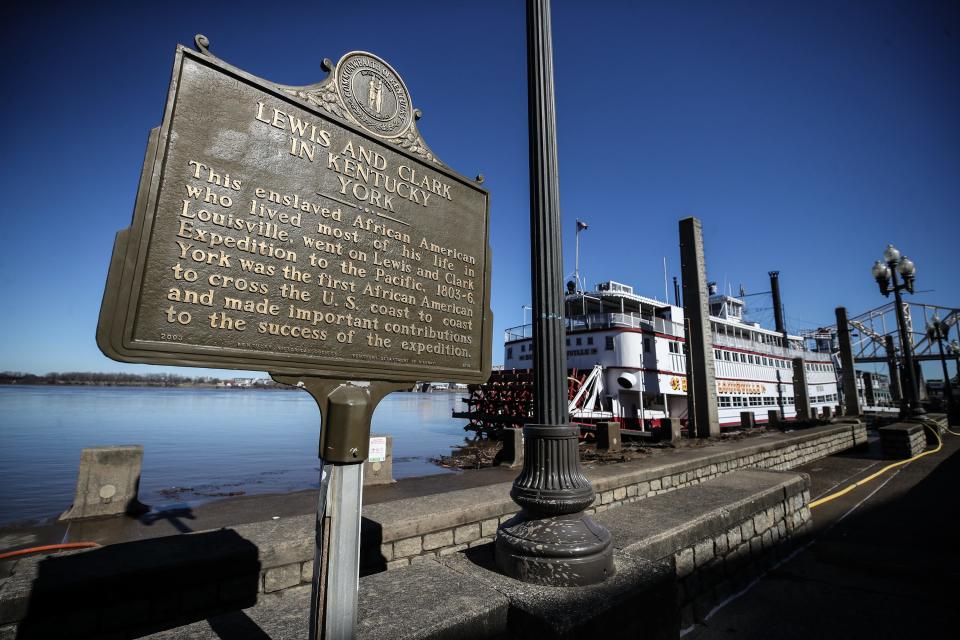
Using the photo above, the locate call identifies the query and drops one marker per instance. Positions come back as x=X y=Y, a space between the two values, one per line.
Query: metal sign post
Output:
x=345 y=411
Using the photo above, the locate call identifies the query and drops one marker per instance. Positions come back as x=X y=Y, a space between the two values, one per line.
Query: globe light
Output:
x=906 y=267
x=880 y=271
x=955 y=347
x=891 y=254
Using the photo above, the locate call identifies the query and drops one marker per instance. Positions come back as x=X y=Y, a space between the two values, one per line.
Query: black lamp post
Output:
x=885 y=273
x=939 y=330
x=551 y=541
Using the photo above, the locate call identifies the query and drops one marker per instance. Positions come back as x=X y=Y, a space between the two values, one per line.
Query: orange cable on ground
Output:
x=49 y=547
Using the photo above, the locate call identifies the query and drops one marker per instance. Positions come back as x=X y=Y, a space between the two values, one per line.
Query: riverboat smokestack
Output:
x=777 y=305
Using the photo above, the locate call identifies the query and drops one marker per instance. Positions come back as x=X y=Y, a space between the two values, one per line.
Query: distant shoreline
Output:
x=154 y=381
x=167 y=381
x=198 y=385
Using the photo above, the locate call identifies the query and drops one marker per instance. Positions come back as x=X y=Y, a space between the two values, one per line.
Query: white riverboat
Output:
x=627 y=362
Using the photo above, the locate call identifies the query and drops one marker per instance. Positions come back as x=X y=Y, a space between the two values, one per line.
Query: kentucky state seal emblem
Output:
x=374 y=94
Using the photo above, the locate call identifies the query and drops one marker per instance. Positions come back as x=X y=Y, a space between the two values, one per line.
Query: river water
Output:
x=199 y=444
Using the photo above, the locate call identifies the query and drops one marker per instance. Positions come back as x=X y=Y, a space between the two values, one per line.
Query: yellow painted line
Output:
x=873 y=476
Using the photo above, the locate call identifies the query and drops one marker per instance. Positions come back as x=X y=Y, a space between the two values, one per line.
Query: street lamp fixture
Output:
x=886 y=273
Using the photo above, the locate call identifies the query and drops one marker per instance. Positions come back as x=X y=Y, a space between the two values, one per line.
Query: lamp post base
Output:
x=551 y=541
x=561 y=551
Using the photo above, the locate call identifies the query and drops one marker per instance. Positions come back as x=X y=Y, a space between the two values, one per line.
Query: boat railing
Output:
x=604 y=321
x=720 y=340
x=660 y=325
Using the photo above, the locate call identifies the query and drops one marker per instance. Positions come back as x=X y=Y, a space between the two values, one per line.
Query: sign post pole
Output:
x=346 y=497
x=346 y=410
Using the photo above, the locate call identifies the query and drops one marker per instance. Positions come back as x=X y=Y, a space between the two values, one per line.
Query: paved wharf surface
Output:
x=883 y=561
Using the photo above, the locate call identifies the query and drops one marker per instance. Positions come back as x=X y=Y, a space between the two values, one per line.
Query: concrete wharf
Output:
x=738 y=496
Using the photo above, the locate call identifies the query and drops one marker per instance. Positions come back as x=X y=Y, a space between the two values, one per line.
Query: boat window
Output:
x=609 y=343
x=579 y=341
x=589 y=339
x=509 y=352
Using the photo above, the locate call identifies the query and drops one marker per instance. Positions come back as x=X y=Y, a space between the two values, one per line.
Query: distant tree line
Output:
x=130 y=379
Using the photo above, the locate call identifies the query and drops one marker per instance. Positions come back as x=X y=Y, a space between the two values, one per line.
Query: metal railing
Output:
x=604 y=321
x=721 y=340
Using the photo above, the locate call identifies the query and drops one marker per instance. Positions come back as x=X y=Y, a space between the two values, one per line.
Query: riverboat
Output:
x=626 y=361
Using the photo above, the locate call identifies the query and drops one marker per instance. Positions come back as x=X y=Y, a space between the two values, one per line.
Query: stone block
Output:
x=734 y=537
x=466 y=533
x=489 y=527
x=281 y=577
x=619 y=493
x=761 y=522
x=108 y=482
x=720 y=544
x=407 y=547
x=306 y=571
x=684 y=561
x=439 y=539
x=427 y=557
x=703 y=552
x=449 y=551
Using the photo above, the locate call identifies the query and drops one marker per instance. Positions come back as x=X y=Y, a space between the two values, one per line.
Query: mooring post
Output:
x=346 y=410
x=701 y=374
x=801 y=399
x=551 y=541
x=851 y=399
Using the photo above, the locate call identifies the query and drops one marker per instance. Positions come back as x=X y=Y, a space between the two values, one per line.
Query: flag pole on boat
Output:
x=581 y=225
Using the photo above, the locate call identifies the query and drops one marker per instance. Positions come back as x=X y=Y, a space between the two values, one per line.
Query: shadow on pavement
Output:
x=134 y=588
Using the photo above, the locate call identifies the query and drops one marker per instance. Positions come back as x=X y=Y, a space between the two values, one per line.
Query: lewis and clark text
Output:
x=322 y=271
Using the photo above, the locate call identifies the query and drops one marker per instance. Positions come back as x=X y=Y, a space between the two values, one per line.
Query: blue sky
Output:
x=805 y=135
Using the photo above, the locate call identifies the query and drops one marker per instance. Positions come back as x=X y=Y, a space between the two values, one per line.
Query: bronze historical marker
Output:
x=300 y=230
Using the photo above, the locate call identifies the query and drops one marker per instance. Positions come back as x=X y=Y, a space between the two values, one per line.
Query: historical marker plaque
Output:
x=300 y=229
